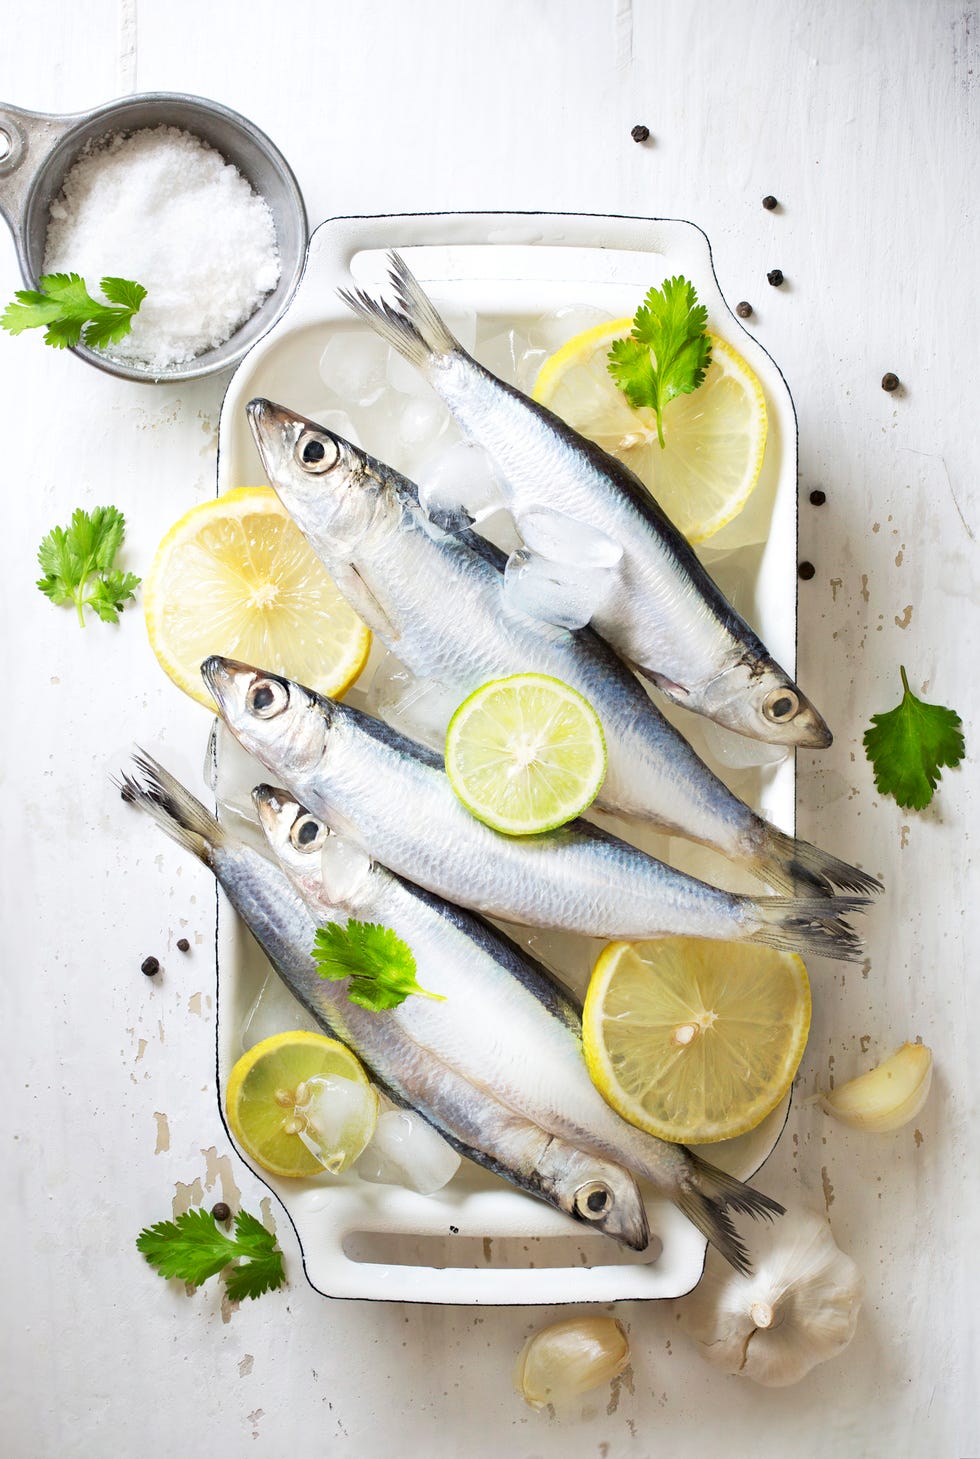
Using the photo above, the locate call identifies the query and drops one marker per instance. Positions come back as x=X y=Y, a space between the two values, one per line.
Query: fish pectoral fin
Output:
x=676 y=693
x=366 y=603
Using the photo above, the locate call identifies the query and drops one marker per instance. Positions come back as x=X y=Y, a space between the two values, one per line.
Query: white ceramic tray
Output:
x=479 y=1240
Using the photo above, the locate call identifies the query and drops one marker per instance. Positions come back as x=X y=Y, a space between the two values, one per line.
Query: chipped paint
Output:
x=163 y=1132
x=906 y=617
x=186 y=1196
x=865 y=593
x=219 y=1168
x=194 y=1004
x=918 y=1137
x=141 y=1050
x=245 y=1365
x=828 y=1189
x=903 y=836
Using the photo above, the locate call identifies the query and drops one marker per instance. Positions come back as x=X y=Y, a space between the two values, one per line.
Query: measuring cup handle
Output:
x=27 y=139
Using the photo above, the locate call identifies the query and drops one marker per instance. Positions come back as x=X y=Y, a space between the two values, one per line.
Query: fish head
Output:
x=279 y=721
x=755 y=697
x=327 y=484
x=595 y=1192
x=328 y=869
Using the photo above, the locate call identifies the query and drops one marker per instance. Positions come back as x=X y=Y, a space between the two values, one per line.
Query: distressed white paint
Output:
x=862 y=119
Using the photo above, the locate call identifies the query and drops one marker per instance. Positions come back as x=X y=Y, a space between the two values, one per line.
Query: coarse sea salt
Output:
x=162 y=208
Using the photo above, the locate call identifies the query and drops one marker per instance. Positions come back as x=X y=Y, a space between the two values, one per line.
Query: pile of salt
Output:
x=161 y=207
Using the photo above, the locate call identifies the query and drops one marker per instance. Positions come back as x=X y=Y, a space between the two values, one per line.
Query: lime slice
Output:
x=267 y=1084
x=714 y=438
x=695 y=1041
x=525 y=754
x=236 y=576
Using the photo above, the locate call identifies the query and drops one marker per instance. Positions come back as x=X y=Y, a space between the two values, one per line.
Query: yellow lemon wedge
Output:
x=714 y=438
x=269 y=1082
x=235 y=576
x=694 y=1040
x=525 y=754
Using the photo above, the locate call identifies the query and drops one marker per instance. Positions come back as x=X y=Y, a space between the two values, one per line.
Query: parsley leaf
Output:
x=64 y=307
x=381 y=967
x=909 y=745
x=667 y=352
x=193 y=1248
x=77 y=563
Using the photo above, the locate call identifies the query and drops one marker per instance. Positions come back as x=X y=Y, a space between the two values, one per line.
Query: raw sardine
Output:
x=392 y=797
x=664 y=615
x=437 y=600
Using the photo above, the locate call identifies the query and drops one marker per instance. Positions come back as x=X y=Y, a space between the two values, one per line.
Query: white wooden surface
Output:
x=862 y=119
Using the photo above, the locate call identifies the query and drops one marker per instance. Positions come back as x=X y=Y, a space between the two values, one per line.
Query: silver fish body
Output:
x=504 y=1024
x=392 y=797
x=437 y=599
x=665 y=615
x=454 y=1085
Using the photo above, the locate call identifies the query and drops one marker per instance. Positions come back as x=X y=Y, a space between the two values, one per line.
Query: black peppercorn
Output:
x=183 y=945
x=775 y=277
x=890 y=381
x=817 y=499
x=806 y=571
x=640 y=133
x=769 y=202
x=744 y=310
x=149 y=966
x=221 y=1211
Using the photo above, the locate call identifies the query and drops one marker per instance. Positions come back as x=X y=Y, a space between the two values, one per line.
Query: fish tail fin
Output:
x=415 y=330
x=813 y=925
x=706 y=1198
x=798 y=869
x=183 y=817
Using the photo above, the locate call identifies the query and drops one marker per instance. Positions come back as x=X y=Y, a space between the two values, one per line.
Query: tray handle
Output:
x=27 y=139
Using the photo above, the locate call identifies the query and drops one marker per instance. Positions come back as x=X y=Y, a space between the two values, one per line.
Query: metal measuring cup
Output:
x=37 y=150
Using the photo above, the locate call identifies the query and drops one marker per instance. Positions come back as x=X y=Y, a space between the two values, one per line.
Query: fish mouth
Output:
x=810 y=730
x=278 y=432
x=228 y=682
x=273 y=805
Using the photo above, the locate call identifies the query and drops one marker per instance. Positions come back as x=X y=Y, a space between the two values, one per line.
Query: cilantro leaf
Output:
x=64 y=307
x=910 y=745
x=667 y=352
x=77 y=563
x=193 y=1248
x=381 y=967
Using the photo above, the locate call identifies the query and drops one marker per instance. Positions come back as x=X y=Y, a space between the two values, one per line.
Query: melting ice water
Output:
x=406 y=1150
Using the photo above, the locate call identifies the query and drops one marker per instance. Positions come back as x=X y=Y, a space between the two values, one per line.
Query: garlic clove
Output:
x=568 y=1358
x=886 y=1097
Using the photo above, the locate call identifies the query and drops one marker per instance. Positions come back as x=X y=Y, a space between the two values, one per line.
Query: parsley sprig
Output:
x=667 y=351
x=77 y=563
x=193 y=1248
x=63 y=307
x=381 y=967
x=910 y=745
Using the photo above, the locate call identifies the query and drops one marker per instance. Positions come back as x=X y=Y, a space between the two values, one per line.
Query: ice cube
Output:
x=560 y=538
x=420 y=708
x=528 y=368
x=551 y=331
x=501 y=353
x=460 y=478
x=232 y=773
x=405 y=377
x=344 y=865
x=738 y=752
x=406 y=1150
x=556 y=592
x=422 y=422
x=353 y=365
x=273 y=1010
x=339 y=1118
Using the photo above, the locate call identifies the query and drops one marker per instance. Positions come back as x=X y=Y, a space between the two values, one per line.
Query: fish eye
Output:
x=781 y=705
x=593 y=1201
x=316 y=452
x=267 y=698
x=307 y=833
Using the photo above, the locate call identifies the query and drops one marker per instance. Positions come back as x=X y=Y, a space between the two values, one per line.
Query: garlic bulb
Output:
x=569 y=1358
x=886 y=1097
x=798 y=1309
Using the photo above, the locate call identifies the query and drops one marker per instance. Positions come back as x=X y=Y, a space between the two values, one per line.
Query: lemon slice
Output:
x=714 y=438
x=236 y=576
x=267 y=1083
x=525 y=754
x=693 y=1040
